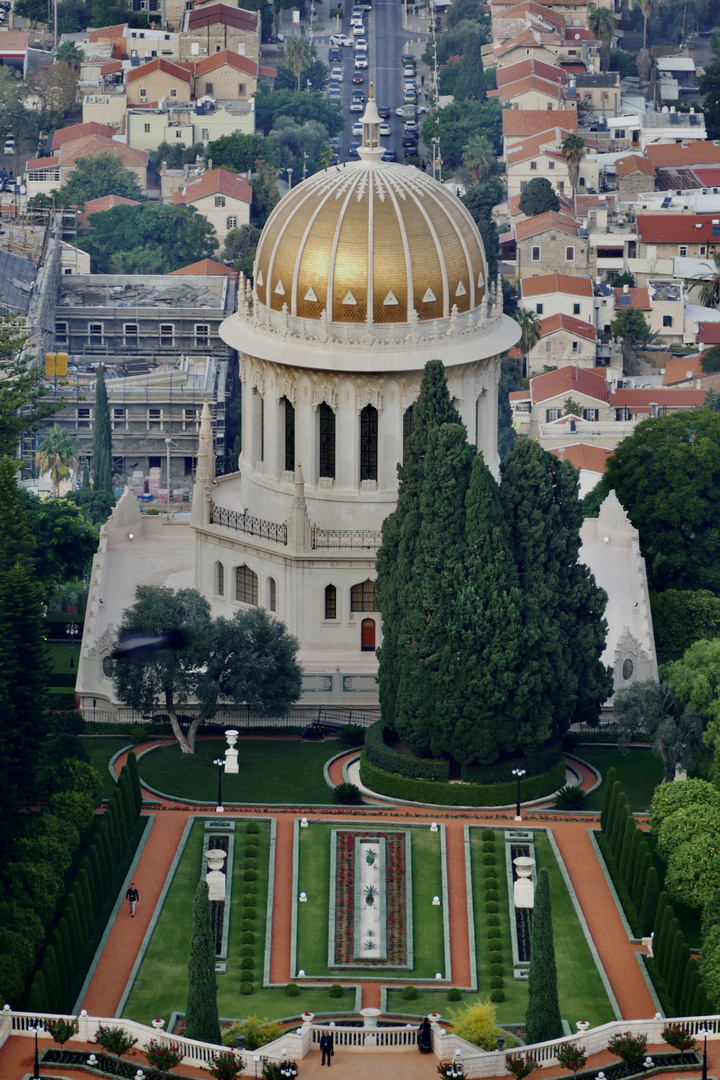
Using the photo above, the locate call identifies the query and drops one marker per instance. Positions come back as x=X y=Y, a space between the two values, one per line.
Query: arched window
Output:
x=246 y=586
x=289 y=435
x=327 y=441
x=272 y=594
x=363 y=597
x=220 y=579
x=369 y=443
x=330 y=602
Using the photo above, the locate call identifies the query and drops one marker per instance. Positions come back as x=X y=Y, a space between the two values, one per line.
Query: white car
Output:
x=361 y=61
x=342 y=40
x=361 y=45
x=336 y=74
x=356 y=129
x=358 y=30
x=357 y=20
x=384 y=128
x=9 y=149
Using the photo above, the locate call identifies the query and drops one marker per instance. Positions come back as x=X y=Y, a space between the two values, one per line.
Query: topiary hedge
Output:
x=500 y=772
x=383 y=757
x=442 y=794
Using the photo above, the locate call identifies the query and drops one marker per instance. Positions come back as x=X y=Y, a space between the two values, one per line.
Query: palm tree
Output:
x=709 y=284
x=298 y=56
x=648 y=8
x=56 y=454
x=68 y=53
x=529 y=332
x=479 y=160
x=602 y=25
x=573 y=151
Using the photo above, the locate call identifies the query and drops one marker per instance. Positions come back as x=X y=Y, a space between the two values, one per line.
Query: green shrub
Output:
x=497 y=969
x=492 y=920
x=385 y=759
x=489 y=858
x=336 y=990
x=352 y=735
x=248 y=938
x=347 y=794
x=138 y=734
x=252 y=827
x=491 y=872
x=247 y=964
x=494 y=932
x=249 y=903
x=491 y=906
x=454 y=994
x=496 y=982
x=570 y=798
x=497 y=995
x=250 y=888
x=489 y=845
x=496 y=956
x=250 y=875
x=246 y=988
x=488 y=834
x=247 y=950
x=248 y=924
x=500 y=772
x=250 y=863
x=409 y=993
x=491 y=895
x=292 y=990
x=251 y=845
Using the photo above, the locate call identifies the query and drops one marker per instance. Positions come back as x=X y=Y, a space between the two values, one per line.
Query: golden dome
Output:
x=370 y=242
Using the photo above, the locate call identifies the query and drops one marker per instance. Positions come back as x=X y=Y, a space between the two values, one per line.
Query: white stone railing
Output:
x=299 y=1042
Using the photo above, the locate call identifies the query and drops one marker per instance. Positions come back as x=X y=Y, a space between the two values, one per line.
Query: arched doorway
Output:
x=367 y=635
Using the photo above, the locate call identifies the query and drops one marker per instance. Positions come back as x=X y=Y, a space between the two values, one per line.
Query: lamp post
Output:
x=72 y=630
x=704 y=1031
x=519 y=773
x=289 y=172
x=219 y=761
x=36 y=1026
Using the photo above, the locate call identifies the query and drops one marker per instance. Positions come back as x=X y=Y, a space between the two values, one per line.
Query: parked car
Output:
x=357 y=20
x=410 y=142
x=358 y=78
x=409 y=71
x=385 y=128
x=334 y=142
x=383 y=111
x=336 y=74
x=689 y=88
x=353 y=151
x=408 y=58
x=390 y=155
x=361 y=45
x=342 y=40
x=9 y=149
x=358 y=30
x=357 y=104
x=334 y=93
x=357 y=13
x=335 y=56
x=361 y=60
x=411 y=127
x=356 y=129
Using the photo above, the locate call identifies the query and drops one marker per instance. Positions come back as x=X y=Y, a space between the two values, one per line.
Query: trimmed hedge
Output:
x=61 y=678
x=500 y=772
x=380 y=755
x=404 y=787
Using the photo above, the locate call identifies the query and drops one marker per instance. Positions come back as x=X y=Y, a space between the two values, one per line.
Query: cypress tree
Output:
x=615 y=795
x=700 y=1003
x=632 y=873
x=643 y=862
x=618 y=834
x=690 y=985
x=661 y=937
x=87 y=895
x=649 y=903
x=676 y=967
x=201 y=1013
x=77 y=937
x=563 y=607
x=85 y=477
x=68 y=951
x=542 y=1019
x=118 y=822
x=608 y=784
x=663 y=902
x=439 y=554
x=432 y=408
x=49 y=969
x=125 y=786
x=626 y=846
x=38 y=998
x=135 y=780
x=102 y=437
x=82 y=912
x=98 y=869
x=480 y=699
x=665 y=958
x=106 y=847
x=62 y=966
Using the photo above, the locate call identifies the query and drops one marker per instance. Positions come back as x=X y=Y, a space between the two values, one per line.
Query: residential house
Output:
x=676 y=164
x=532 y=85
x=599 y=93
x=207 y=268
x=575 y=12
x=637 y=130
x=516 y=19
x=79 y=131
x=541 y=156
x=635 y=175
x=708 y=334
x=664 y=236
x=559 y=294
x=99 y=206
x=158 y=79
x=228 y=76
x=531 y=44
x=521 y=124
x=564 y=340
x=14 y=51
x=106 y=109
x=43 y=175
x=550 y=242
x=662 y=304
x=187 y=123
x=211 y=29
x=590 y=462
x=221 y=197
x=682 y=370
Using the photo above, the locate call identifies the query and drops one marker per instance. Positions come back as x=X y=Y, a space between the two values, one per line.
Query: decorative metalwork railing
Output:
x=346 y=538
x=233 y=519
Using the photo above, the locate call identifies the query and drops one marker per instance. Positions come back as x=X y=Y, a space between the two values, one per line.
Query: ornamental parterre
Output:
x=395 y=884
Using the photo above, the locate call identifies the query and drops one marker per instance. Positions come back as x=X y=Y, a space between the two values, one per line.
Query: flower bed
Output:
x=396 y=870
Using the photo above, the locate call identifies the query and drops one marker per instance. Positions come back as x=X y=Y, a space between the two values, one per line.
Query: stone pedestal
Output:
x=231 y=754
x=524 y=890
x=215 y=877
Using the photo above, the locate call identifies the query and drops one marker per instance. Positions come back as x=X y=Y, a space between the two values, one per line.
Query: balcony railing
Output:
x=369 y=539
x=246 y=523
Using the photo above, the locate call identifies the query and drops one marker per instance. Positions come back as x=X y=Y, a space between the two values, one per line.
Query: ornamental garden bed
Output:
x=107 y=1065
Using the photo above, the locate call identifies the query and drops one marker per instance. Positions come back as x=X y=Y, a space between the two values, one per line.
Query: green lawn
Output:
x=101 y=749
x=313 y=917
x=271 y=771
x=639 y=770
x=59 y=655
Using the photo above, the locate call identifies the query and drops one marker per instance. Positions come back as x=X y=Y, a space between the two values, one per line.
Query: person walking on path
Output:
x=327 y=1047
x=132 y=896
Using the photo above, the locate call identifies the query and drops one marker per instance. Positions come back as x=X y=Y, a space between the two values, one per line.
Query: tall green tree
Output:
x=432 y=408
x=149 y=238
x=709 y=284
x=481 y=691
x=93 y=177
x=538 y=197
x=298 y=56
x=542 y=1019
x=572 y=149
x=102 y=437
x=238 y=152
x=530 y=333
x=608 y=782
x=56 y=454
x=470 y=82
x=602 y=23
x=201 y=1013
x=24 y=402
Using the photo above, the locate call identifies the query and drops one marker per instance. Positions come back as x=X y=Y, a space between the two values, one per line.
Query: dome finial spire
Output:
x=371 y=123
x=372 y=92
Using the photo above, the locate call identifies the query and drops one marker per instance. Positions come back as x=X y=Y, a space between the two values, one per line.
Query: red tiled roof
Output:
x=556 y=283
x=675 y=228
x=519 y=395
x=111 y=68
x=106 y=202
x=584 y=456
x=681 y=368
x=534 y=146
x=42 y=163
x=553 y=323
x=633 y=163
x=639 y=298
x=105 y=33
x=640 y=400
x=219 y=181
x=528 y=39
x=175 y=71
x=524 y=68
x=79 y=131
x=227 y=57
x=707 y=176
x=532 y=82
x=528 y=122
x=673 y=155
x=94 y=145
x=223 y=13
x=13 y=41
x=528 y=7
x=708 y=333
x=208 y=268
x=541 y=223
x=569 y=380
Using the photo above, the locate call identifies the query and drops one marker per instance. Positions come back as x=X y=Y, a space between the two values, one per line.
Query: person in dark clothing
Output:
x=424 y=1037
x=132 y=896
x=327 y=1047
